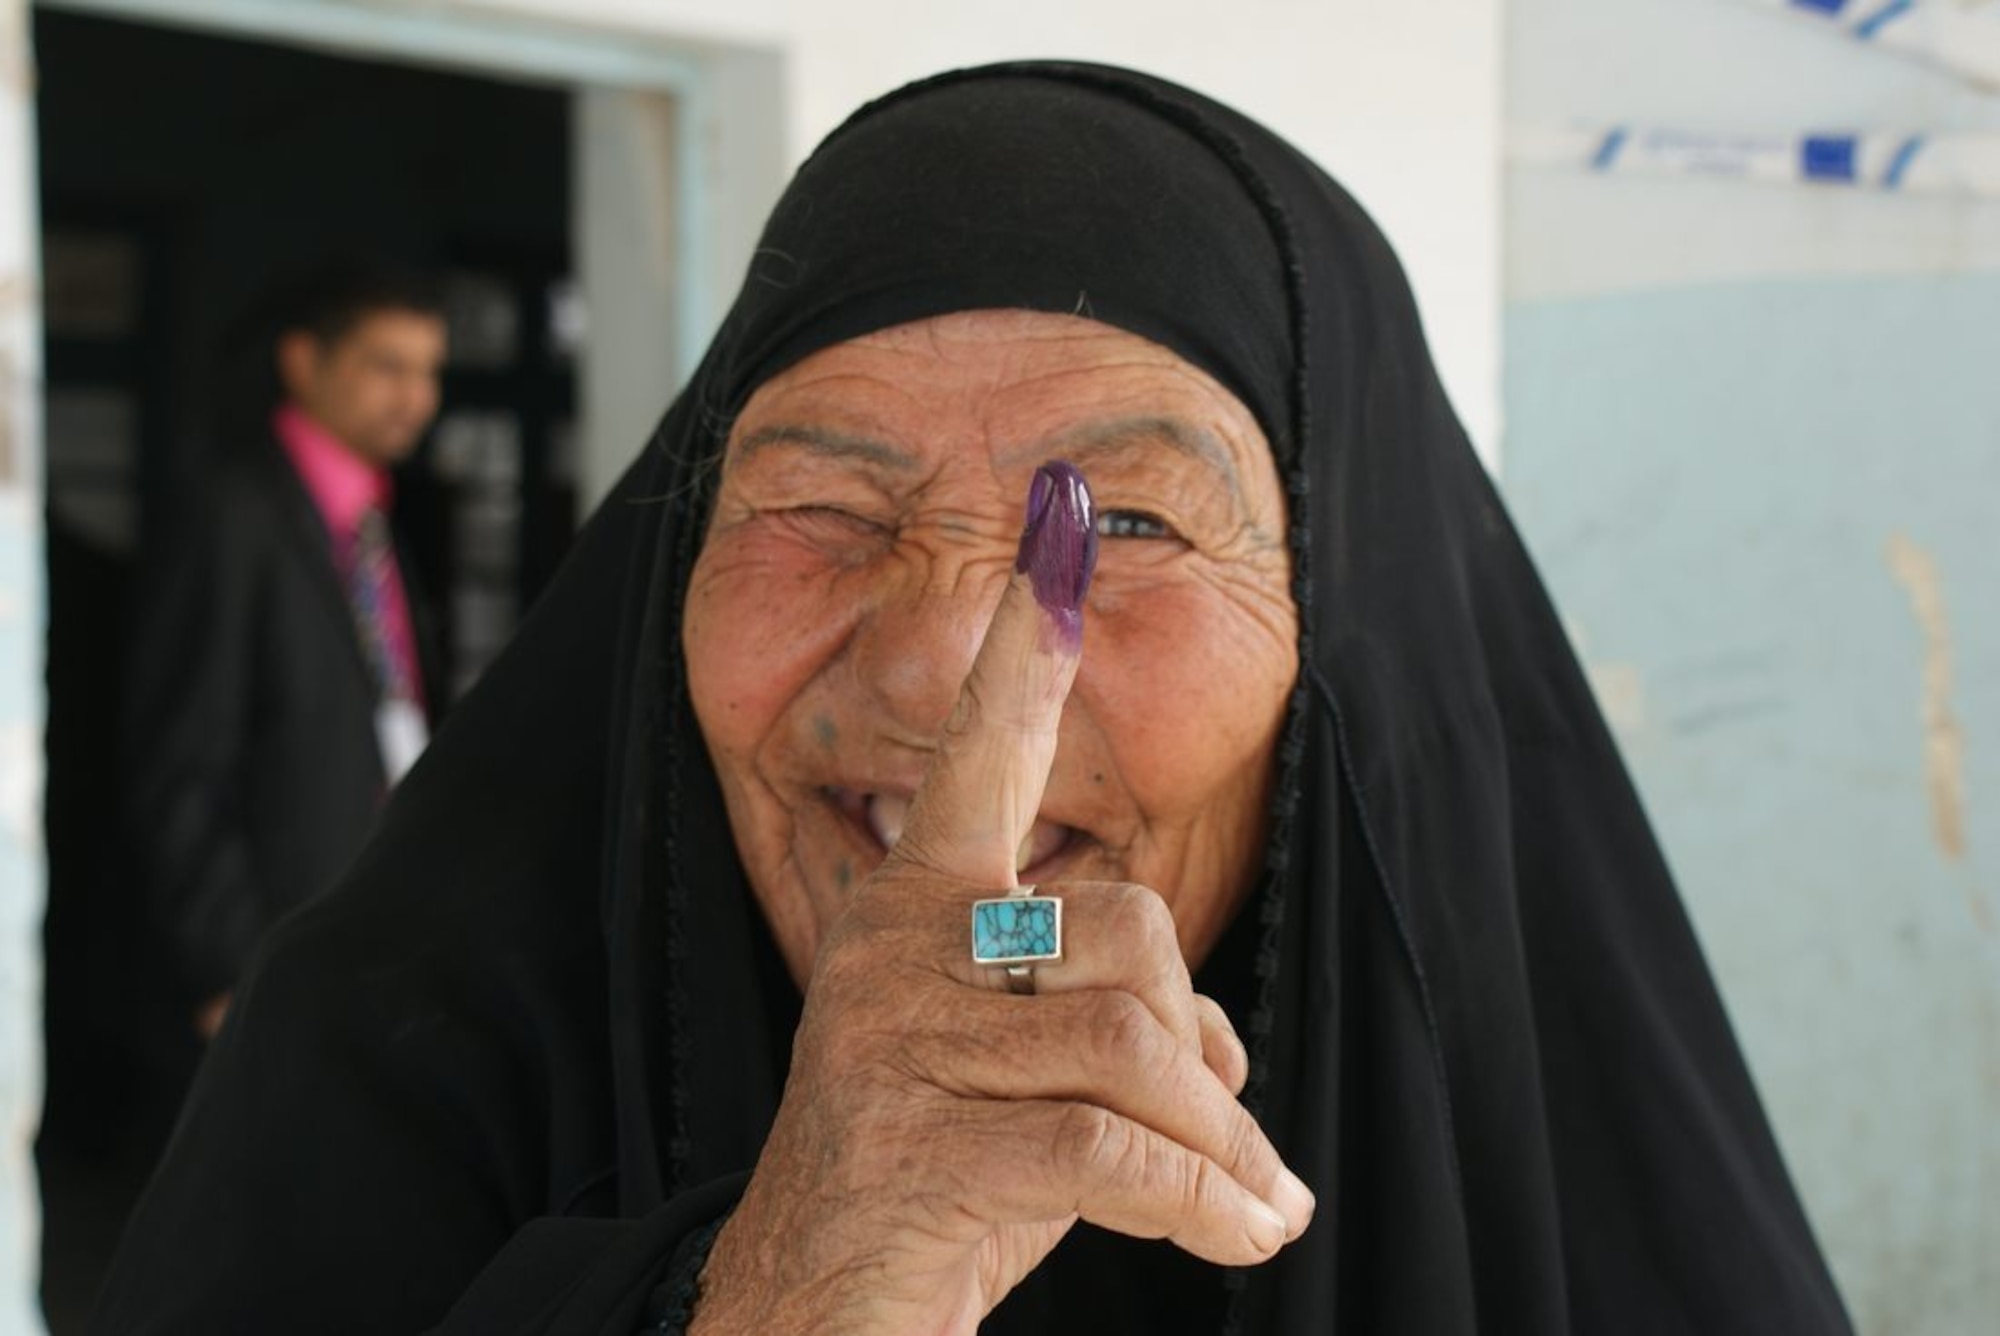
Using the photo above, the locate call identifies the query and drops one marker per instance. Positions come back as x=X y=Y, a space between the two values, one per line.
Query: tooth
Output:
x=886 y=816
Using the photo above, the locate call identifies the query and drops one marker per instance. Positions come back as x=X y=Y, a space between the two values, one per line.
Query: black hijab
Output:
x=519 y=1066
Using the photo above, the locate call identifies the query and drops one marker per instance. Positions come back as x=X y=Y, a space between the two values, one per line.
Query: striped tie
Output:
x=371 y=581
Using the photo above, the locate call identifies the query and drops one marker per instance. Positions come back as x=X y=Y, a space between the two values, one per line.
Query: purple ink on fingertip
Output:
x=1059 y=543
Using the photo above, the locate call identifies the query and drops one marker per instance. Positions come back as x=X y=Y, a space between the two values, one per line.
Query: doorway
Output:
x=183 y=176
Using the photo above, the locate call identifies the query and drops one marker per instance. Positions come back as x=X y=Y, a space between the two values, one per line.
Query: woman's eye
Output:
x=830 y=517
x=1132 y=524
x=834 y=530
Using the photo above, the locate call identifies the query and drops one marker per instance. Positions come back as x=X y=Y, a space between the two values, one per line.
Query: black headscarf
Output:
x=521 y=1064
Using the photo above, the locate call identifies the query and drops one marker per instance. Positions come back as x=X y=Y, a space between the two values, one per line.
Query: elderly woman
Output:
x=1050 y=801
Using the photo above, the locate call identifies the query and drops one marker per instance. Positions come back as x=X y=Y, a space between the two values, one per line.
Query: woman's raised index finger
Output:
x=984 y=786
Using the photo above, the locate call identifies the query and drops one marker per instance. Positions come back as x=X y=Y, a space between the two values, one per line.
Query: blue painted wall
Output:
x=1771 y=514
x=1752 y=433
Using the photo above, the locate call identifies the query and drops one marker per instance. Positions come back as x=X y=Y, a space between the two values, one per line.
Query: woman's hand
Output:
x=939 y=1135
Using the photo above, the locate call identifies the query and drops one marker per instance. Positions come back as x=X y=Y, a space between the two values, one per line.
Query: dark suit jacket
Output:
x=254 y=773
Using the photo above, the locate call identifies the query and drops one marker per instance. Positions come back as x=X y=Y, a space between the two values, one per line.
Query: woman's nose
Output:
x=919 y=640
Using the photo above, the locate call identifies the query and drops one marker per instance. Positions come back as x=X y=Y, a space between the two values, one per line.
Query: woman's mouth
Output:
x=883 y=815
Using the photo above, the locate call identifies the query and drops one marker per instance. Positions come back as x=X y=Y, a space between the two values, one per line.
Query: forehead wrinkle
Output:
x=827 y=443
x=1117 y=436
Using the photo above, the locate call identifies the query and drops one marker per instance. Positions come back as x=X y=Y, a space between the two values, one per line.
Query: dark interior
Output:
x=182 y=177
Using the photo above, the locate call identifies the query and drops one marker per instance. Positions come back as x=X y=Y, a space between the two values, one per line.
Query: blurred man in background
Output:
x=281 y=679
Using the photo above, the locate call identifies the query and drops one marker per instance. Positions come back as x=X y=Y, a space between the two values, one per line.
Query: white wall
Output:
x=1707 y=65
x=21 y=878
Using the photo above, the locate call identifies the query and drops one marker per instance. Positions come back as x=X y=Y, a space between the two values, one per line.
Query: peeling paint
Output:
x=17 y=67
x=1944 y=742
x=9 y=393
x=1621 y=693
x=1620 y=688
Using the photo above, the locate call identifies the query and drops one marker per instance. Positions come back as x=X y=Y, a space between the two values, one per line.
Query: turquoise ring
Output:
x=1017 y=932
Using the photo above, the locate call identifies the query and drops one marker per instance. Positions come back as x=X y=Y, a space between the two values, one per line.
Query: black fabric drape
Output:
x=534 y=1044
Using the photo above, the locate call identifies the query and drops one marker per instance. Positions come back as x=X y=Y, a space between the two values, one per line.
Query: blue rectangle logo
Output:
x=1828 y=158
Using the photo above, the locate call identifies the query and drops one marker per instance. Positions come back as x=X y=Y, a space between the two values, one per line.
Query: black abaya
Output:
x=506 y=1079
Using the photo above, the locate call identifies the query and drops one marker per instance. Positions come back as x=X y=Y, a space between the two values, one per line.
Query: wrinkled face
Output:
x=375 y=387
x=866 y=522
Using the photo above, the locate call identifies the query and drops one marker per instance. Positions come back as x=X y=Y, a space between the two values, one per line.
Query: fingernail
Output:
x=1295 y=1202
x=1039 y=491
x=1059 y=542
x=1266 y=1228
x=1242 y=1056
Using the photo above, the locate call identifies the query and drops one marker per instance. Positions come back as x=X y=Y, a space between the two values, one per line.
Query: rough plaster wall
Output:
x=1754 y=439
x=21 y=880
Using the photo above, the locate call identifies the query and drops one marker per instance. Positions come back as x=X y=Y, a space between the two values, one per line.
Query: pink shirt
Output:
x=344 y=486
